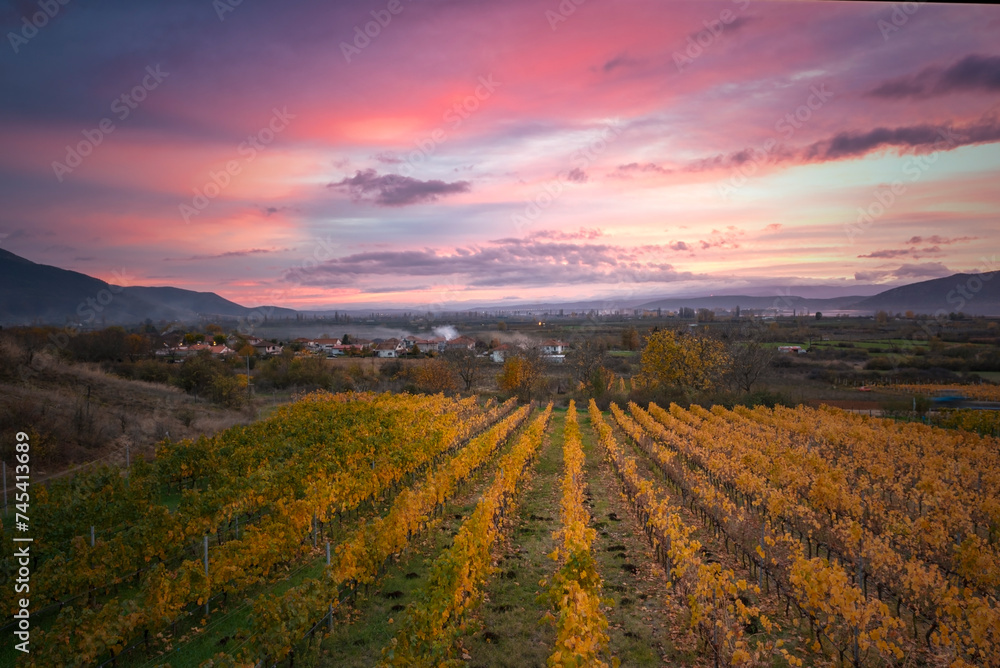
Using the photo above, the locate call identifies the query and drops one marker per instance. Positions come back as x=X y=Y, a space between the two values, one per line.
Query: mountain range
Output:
x=32 y=293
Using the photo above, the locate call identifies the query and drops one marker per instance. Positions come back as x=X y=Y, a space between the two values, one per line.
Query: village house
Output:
x=390 y=348
x=552 y=347
x=266 y=348
x=324 y=345
x=461 y=342
x=221 y=350
x=499 y=354
x=435 y=345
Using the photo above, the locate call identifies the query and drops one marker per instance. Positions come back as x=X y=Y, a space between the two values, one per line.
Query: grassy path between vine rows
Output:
x=198 y=639
x=512 y=631
x=361 y=630
x=646 y=625
x=713 y=549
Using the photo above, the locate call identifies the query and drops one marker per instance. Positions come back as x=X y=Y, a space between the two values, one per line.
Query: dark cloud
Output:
x=935 y=239
x=915 y=253
x=912 y=138
x=396 y=190
x=974 y=72
x=407 y=288
x=506 y=262
x=387 y=158
x=923 y=138
x=219 y=256
x=776 y=153
x=886 y=254
x=727 y=28
x=619 y=61
x=679 y=246
x=923 y=271
x=626 y=171
x=577 y=175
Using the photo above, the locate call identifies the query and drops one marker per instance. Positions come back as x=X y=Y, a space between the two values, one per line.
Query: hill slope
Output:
x=973 y=294
x=39 y=293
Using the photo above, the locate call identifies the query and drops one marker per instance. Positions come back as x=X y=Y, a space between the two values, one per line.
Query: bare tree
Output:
x=748 y=356
x=586 y=357
x=467 y=364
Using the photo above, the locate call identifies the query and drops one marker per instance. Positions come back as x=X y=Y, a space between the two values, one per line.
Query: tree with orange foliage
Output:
x=520 y=375
x=435 y=376
x=689 y=362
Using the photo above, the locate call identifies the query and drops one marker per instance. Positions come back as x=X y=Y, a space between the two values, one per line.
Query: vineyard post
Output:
x=92 y=535
x=206 y=573
x=330 y=611
x=5 y=488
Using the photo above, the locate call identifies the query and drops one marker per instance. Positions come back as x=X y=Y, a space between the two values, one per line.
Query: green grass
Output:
x=364 y=629
x=511 y=630
x=226 y=627
x=646 y=626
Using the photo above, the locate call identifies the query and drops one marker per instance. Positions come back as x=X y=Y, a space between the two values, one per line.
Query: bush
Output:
x=879 y=364
x=151 y=371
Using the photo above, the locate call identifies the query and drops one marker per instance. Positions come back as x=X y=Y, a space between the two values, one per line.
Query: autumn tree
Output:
x=230 y=391
x=686 y=362
x=630 y=339
x=520 y=375
x=137 y=346
x=434 y=376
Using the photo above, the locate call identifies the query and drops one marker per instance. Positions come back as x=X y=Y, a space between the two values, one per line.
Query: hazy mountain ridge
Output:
x=973 y=294
x=38 y=293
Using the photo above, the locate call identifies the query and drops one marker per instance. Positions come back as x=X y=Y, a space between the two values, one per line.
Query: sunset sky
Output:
x=468 y=151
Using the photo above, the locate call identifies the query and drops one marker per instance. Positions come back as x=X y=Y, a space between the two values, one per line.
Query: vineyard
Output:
x=393 y=530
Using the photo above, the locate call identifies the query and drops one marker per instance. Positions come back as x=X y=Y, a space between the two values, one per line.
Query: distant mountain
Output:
x=973 y=294
x=781 y=302
x=39 y=293
x=812 y=291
